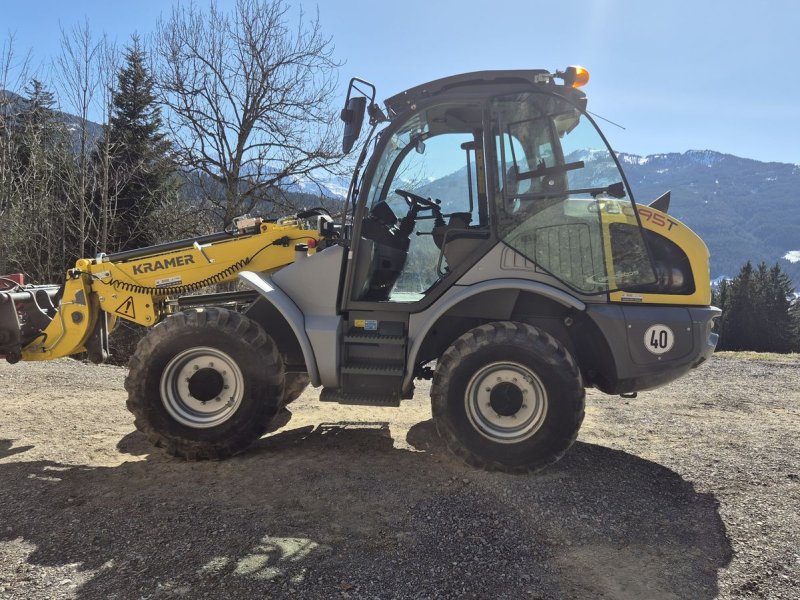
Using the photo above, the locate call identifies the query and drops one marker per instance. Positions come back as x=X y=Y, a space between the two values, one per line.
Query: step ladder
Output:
x=373 y=363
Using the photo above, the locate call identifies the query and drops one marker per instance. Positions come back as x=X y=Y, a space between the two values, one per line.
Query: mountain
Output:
x=331 y=187
x=11 y=103
x=743 y=209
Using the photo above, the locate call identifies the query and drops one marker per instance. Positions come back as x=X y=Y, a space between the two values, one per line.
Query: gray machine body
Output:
x=313 y=314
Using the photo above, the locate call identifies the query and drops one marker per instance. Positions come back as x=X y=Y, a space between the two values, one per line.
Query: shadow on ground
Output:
x=336 y=510
x=7 y=448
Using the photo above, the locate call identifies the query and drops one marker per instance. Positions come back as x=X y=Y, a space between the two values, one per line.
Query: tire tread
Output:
x=226 y=323
x=493 y=333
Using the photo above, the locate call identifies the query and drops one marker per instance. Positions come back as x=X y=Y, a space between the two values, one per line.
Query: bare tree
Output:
x=35 y=236
x=107 y=64
x=249 y=99
x=14 y=73
x=14 y=68
x=78 y=81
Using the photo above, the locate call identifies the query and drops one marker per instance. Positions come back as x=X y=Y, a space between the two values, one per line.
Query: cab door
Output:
x=424 y=215
x=423 y=219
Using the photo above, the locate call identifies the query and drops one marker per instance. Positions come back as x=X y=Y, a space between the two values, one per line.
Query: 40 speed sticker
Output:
x=659 y=339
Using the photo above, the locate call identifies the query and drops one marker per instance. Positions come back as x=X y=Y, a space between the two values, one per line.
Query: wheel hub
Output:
x=206 y=384
x=506 y=402
x=202 y=387
x=506 y=399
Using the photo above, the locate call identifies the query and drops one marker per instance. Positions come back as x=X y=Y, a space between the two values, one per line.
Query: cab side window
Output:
x=429 y=185
x=554 y=201
x=436 y=169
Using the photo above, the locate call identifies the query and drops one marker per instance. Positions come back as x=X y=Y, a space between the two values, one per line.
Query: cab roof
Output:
x=400 y=103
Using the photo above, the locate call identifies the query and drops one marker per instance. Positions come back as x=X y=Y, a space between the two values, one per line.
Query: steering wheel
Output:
x=413 y=199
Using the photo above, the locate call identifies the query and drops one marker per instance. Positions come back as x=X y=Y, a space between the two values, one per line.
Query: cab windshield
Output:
x=560 y=189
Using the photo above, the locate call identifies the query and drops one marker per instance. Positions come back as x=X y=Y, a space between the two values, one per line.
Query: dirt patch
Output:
x=690 y=491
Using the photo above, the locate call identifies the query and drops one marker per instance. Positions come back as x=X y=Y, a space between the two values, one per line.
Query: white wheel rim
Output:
x=202 y=387
x=506 y=402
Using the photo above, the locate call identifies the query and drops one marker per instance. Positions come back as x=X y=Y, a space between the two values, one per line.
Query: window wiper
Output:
x=544 y=171
x=615 y=190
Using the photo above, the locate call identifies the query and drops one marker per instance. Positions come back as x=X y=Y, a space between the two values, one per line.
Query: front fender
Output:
x=293 y=315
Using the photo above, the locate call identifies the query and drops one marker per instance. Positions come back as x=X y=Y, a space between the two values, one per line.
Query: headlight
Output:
x=671 y=266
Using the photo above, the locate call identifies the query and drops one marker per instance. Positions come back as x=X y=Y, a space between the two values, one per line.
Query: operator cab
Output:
x=470 y=161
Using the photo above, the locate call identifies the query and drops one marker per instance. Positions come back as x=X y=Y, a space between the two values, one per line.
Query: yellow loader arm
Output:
x=46 y=322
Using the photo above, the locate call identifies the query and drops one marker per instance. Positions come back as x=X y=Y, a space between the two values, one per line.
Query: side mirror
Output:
x=353 y=117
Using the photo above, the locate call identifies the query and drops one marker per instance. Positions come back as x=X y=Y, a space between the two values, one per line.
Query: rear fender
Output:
x=421 y=323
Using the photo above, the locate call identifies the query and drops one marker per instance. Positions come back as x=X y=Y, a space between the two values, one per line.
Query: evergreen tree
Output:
x=737 y=319
x=33 y=218
x=779 y=324
x=720 y=297
x=794 y=312
x=40 y=103
x=139 y=165
x=37 y=130
x=758 y=311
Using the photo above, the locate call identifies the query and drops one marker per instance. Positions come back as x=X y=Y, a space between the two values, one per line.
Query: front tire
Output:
x=205 y=383
x=296 y=383
x=507 y=396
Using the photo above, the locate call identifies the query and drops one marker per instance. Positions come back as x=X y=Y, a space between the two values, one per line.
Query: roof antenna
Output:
x=606 y=120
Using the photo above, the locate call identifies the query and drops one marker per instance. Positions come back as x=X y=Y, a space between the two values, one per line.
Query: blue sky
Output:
x=679 y=75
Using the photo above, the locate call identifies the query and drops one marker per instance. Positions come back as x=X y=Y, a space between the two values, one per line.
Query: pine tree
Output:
x=779 y=325
x=758 y=311
x=36 y=238
x=720 y=298
x=794 y=312
x=140 y=167
x=37 y=129
x=738 y=315
x=40 y=103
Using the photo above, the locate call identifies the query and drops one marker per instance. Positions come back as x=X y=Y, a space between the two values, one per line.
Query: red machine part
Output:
x=8 y=282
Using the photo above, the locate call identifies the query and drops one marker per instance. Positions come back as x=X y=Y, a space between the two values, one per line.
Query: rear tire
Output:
x=205 y=383
x=507 y=396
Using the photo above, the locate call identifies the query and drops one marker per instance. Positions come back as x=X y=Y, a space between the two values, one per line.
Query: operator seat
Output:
x=386 y=251
x=457 y=239
x=457 y=221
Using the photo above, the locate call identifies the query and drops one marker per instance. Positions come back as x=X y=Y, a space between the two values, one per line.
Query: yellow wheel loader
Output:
x=490 y=243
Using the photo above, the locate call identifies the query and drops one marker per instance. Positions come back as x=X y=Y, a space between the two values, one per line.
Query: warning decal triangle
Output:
x=126 y=309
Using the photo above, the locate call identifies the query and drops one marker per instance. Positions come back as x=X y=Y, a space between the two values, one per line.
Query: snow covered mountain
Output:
x=743 y=209
x=331 y=187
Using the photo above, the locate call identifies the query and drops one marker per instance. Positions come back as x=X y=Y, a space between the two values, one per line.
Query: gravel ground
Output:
x=691 y=491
